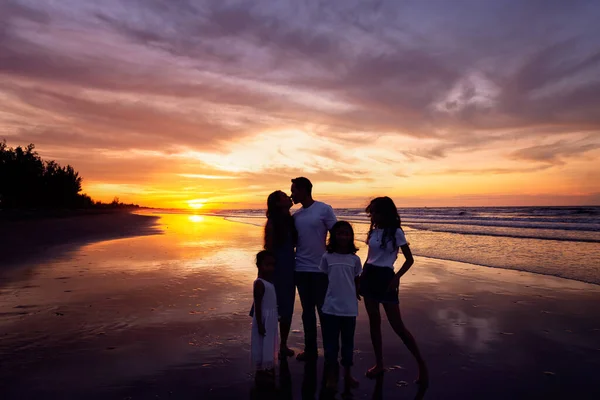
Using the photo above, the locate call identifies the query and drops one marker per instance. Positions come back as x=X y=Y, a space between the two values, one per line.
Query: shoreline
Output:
x=41 y=214
x=36 y=238
x=416 y=254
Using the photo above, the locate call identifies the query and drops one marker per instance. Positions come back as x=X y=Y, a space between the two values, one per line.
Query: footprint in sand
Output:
x=393 y=367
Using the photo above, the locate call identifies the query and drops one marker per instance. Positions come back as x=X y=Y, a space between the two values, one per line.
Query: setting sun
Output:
x=196 y=204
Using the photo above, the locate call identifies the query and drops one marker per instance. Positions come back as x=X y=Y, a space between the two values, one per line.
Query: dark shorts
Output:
x=374 y=284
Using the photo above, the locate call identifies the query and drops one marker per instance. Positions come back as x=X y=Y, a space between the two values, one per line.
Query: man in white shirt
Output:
x=312 y=221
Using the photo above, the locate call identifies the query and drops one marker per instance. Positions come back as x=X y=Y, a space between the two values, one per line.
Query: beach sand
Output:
x=166 y=316
x=26 y=237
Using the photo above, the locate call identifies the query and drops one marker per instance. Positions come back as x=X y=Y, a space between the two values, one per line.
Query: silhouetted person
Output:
x=312 y=221
x=280 y=239
x=379 y=284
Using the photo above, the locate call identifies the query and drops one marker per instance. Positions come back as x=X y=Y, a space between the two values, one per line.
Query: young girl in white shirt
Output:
x=379 y=284
x=343 y=267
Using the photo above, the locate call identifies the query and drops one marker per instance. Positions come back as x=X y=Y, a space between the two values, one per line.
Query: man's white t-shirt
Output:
x=387 y=256
x=342 y=269
x=312 y=224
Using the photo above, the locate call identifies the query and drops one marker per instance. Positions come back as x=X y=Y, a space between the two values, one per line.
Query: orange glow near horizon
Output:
x=244 y=173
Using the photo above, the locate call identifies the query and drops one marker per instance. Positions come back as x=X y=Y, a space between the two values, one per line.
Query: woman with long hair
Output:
x=280 y=239
x=379 y=284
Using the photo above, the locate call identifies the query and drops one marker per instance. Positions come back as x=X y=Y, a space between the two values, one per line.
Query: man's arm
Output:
x=324 y=266
x=329 y=219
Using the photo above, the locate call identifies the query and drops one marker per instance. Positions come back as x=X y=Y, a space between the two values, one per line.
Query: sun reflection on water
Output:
x=196 y=218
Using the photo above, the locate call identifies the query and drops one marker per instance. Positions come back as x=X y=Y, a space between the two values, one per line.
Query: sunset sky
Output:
x=185 y=103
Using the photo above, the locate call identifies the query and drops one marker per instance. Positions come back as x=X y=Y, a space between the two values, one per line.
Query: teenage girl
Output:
x=379 y=283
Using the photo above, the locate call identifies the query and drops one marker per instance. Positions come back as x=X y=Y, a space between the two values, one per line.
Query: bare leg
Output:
x=375 y=326
x=393 y=314
x=285 y=325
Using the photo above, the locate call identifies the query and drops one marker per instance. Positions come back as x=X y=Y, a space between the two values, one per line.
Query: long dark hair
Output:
x=389 y=220
x=332 y=244
x=281 y=221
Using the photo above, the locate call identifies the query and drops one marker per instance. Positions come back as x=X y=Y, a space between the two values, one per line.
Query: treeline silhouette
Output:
x=28 y=182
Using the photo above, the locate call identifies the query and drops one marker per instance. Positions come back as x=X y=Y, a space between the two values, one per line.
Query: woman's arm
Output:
x=259 y=293
x=269 y=233
x=405 y=267
x=408 y=262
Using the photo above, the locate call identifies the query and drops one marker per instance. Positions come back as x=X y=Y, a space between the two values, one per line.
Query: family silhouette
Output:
x=331 y=280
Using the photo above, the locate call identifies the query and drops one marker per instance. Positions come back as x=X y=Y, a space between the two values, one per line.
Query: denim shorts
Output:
x=375 y=282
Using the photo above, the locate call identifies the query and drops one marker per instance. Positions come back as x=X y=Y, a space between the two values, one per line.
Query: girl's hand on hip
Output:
x=394 y=283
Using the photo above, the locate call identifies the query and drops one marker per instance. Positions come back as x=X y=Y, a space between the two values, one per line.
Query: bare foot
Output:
x=375 y=371
x=285 y=352
x=304 y=356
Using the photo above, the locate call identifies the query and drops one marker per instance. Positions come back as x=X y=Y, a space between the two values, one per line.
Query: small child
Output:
x=265 y=336
x=340 y=309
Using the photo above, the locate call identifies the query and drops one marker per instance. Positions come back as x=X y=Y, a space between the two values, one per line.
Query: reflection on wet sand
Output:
x=469 y=332
x=166 y=315
x=311 y=390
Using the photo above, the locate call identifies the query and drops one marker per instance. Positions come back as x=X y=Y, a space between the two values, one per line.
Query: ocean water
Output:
x=558 y=241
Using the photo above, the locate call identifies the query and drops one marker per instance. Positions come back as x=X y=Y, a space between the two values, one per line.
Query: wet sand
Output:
x=47 y=235
x=165 y=316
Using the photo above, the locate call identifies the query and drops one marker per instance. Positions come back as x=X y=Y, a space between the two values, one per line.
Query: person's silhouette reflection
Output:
x=263 y=389
x=309 y=381
x=421 y=392
x=266 y=389
x=378 y=390
x=285 y=381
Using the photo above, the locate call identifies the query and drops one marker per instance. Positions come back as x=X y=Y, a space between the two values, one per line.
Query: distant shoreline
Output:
x=21 y=215
x=29 y=236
